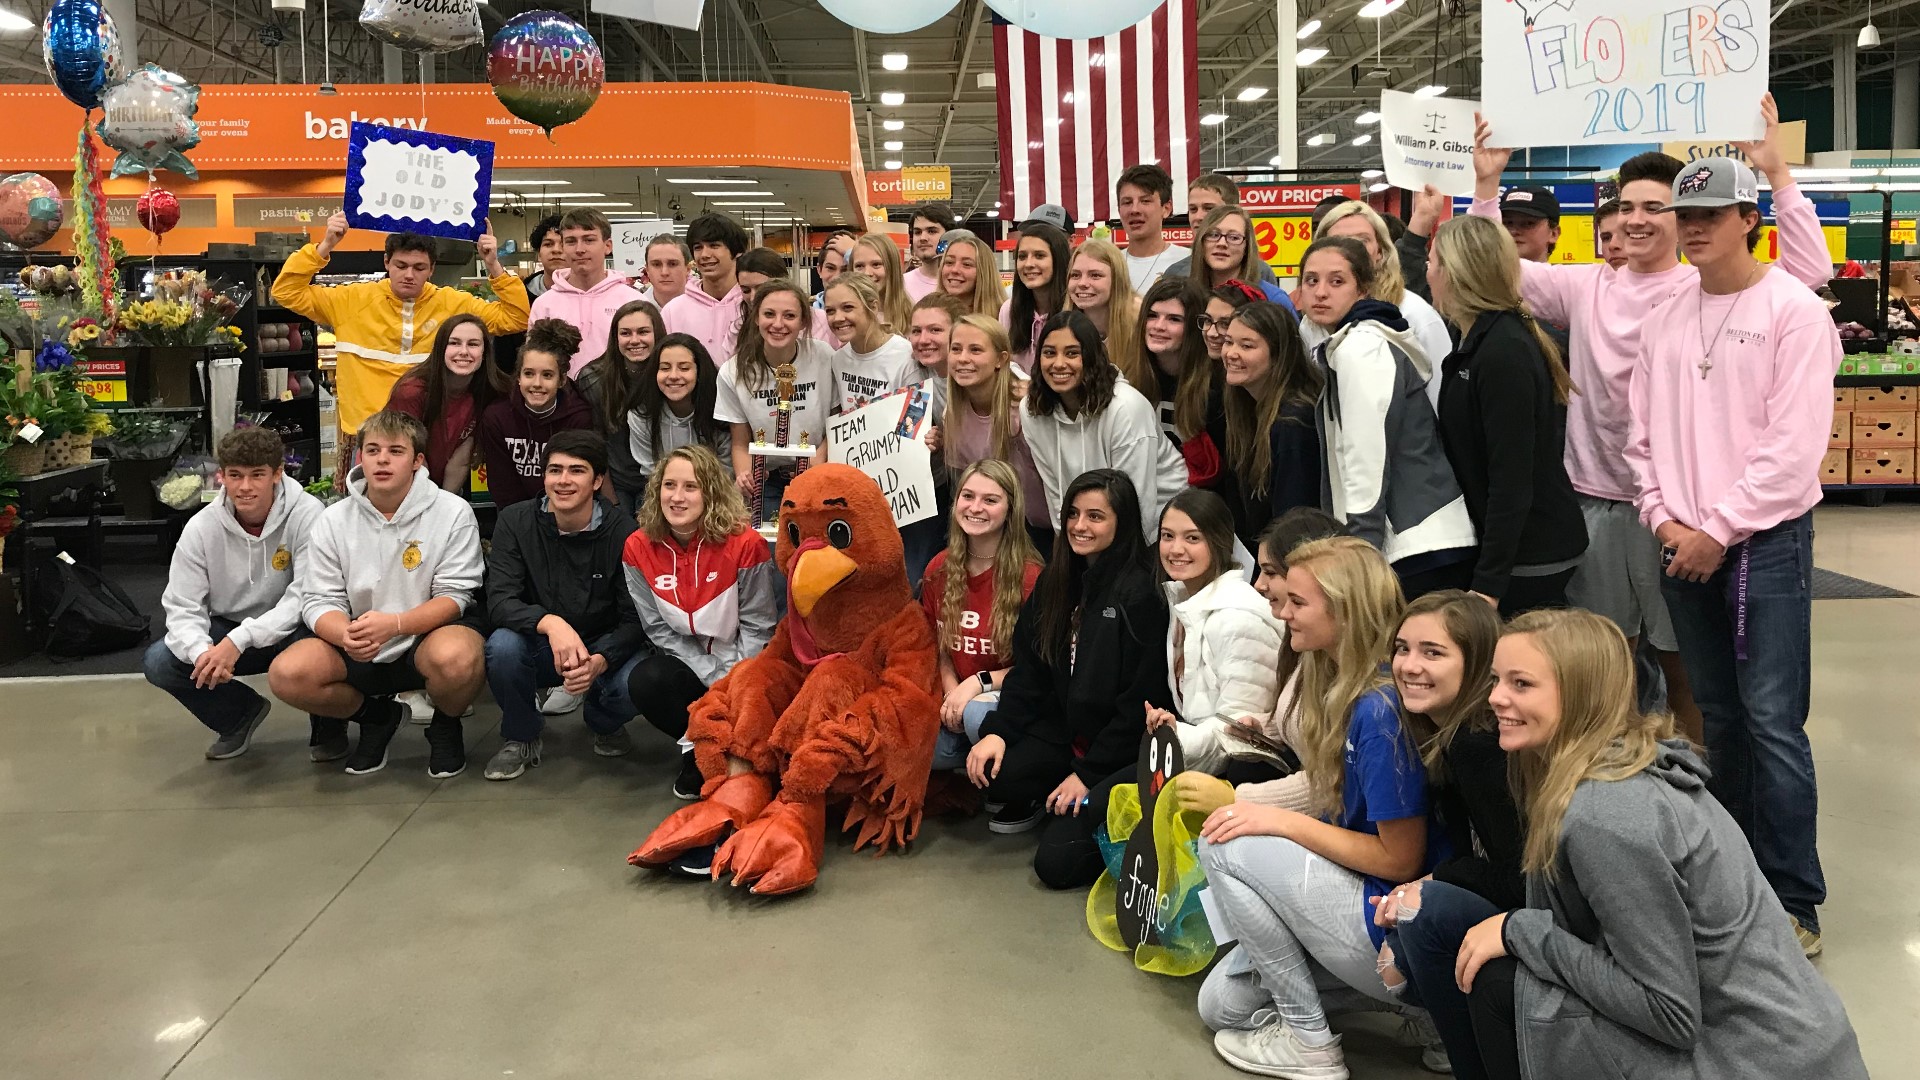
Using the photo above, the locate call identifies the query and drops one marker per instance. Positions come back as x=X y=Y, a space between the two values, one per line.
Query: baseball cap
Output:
x=1531 y=200
x=1714 y=182
x=1051 y=214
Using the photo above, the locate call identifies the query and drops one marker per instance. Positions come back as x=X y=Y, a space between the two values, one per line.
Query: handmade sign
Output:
x=630 y=239
x=1140 y=905
x=1571 y=72
x=887 y=441
x=1427 y=140
x=399 y=180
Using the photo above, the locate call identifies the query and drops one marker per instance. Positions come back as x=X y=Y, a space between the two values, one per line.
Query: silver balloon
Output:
x=888 y=16
x=148 y=117
x=1074 y=18
x=428 y=26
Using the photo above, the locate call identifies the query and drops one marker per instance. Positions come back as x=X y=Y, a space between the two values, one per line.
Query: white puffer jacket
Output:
x=1230 y=666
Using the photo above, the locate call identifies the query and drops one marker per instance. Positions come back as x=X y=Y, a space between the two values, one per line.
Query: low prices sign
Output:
x=1282 y=241
x=1293 y=197
x=105 y=381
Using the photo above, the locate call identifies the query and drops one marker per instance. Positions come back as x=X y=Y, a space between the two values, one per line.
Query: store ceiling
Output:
x=768 y=196
x=948 y=117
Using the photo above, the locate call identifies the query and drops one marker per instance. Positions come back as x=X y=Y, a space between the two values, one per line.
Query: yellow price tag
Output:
x=105 y=390
x=1281 y=241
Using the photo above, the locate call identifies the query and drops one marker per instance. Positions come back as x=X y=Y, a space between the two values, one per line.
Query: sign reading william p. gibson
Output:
x=417 y=181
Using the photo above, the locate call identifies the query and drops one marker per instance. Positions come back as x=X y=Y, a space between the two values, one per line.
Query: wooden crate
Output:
x=1842 y=399
x=1882 y=428
x=1884 y=397
x=1841 y=436
x=1883 y=466
x=1833 y=467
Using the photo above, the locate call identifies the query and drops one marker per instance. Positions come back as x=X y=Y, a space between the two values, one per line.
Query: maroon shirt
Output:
x=513 y=440
x=455 y=425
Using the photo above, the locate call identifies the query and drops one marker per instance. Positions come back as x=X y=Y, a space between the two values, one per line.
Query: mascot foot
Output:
x=779 y=851
x=736 y=801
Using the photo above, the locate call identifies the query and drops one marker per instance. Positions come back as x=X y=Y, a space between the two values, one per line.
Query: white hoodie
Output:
x=1125 y=436
x=220 y=570
x=1229 y=663
x=361 y=562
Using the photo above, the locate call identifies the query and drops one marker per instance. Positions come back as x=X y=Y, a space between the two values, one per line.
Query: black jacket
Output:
x=1120 y=666
x=533 y=572
x=1506 y=438
x=1477 y=811
x=1294 y=476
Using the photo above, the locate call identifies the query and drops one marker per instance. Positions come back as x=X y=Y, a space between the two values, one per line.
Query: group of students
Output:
x=1146 y=421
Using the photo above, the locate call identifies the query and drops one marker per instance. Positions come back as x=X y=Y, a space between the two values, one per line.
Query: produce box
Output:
x=1878 y=428
x=1885 y=397
x=1886 y=466
x=1842 y=398
x=1833 y=467
x=1841 y=437
x=1879 y=364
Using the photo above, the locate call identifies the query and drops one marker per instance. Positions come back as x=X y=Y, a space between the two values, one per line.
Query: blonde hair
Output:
x=1364 y=599
x=1602 y=734
x=987 y=294
x=894 y=303
x=868 y=294
x=1483 y=275
x=1000 y=446
x=1010 y=563
x=1249 y=268
x=1123 y=312
x=724 y=513
x=1388 y=285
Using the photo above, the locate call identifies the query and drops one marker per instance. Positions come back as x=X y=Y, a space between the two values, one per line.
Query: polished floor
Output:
x=165 y=916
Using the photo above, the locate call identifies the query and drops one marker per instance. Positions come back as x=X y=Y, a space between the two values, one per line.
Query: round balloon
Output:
x=82 y=50
x=430 y=26
x=30 y=210
x=545 y=68
x=1074 y=18
x=888 y=16
x=158 y=210
x=148 y=117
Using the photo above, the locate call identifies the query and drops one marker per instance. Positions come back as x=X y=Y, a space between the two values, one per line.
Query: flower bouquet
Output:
x=185 y=310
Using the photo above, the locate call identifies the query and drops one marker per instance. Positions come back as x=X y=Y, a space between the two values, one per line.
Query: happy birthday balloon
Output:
x=30 y=210
x=545 y=68
x=82 y=50
x=428 y=26
x=148 y=117
x=158 y=210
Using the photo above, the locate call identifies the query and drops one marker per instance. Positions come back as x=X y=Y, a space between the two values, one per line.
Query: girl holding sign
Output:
x=673 y=403
x=1272 y=389
x=1295 y=888
x=982 y=420
x=872 y=360
x=877 y=258
x=1040 y=259
x=777 y=388
x=1360 y=222
x=968 y=272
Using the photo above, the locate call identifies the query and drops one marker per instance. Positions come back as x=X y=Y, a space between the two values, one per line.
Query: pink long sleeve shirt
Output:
x=1604 y=310
x=1736 y=450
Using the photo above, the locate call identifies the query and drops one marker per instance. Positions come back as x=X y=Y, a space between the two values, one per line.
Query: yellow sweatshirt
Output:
x=380 y=336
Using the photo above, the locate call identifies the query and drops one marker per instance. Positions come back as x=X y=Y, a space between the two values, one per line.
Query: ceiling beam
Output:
x=1267 y=113
x=753 y=42
x=1830 y=29
x=640 y=42
x=960 y=79
x=860 y=65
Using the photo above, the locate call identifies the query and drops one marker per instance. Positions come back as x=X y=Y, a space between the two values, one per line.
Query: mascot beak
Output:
x=815 y=573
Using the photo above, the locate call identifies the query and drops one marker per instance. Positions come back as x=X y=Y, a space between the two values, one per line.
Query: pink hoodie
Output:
x=1735 y=449
x=589 y=310
x=1604 y=310
x=715 y=322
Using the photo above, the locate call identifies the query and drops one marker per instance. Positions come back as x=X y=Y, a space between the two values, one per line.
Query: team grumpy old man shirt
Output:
x=864 y=378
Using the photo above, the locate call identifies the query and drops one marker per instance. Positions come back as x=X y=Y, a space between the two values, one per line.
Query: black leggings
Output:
x=1491 y=1009
x=663 y=689
x=1068 y=856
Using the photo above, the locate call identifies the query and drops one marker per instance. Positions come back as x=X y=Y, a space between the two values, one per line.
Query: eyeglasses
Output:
x=1231 y=239
x=1206 y=323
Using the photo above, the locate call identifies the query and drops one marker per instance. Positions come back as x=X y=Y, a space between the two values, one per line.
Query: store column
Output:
x=1286 y=89
x=1906 y=107
x=1846 y=114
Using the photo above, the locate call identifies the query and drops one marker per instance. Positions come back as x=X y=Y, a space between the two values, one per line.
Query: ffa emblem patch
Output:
x=282 y=558
x=410 y=558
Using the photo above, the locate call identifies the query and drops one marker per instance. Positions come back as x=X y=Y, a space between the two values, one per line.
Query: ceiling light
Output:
x=894 y=61
x=893 y=125
x=536 y=183
x=1377 y=188
x=993 y=213
x=1252 y=93
x=1869 y=36
x=1277 y=160
x=890 y=164
x=12 y=22
x=730 y=194
x=996 y=204
x=1309 y=57
x=775 y=202
x=892 y=144
x=1362 y=140
x=1377 y=9
x=1367 y=118
x=684 y=180
x=1430 y=90
x=1321 y=139
x=1306 y=29
x=892 y=97
x=1372 y=174
x=1213 y=119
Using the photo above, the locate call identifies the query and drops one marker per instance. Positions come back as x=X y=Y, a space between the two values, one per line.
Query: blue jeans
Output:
x=222 y=708
x=519 y=664
x=1756 y=709
x=950 y=750
x=1424 y=949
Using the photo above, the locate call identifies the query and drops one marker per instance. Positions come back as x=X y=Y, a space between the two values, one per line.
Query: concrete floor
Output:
x=165 y=916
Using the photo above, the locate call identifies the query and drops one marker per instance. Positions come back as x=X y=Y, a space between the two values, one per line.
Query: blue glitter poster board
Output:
x=400 y=180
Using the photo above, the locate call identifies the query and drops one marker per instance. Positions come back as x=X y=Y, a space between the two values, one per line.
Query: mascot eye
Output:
x=793 y=533
x=840 y=534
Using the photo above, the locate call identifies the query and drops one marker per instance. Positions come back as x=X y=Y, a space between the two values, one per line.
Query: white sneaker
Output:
x=1416 y=1029
x=419 y=706
x=1274 y=1050
x=553 y=701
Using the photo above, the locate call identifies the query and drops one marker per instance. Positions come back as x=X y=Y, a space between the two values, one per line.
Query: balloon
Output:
x=148 y=117
x=82 y=49
x=545 y=68
x=428 y=26
x=888 y=16
x=158 y=210
x=1074 y=18
x=30 y=209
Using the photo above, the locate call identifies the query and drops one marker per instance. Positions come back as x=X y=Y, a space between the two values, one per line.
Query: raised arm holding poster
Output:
x=1427 y=140
x=887 y=441
x=417 y=181
x=1573 y=72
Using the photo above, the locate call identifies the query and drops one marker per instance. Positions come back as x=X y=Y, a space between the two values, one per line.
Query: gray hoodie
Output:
x=361 y=562
x=1659 y=950
x=218 y=569
x=1125 y=435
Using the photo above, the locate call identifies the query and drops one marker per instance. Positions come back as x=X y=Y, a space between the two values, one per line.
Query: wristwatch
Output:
x=986 y=681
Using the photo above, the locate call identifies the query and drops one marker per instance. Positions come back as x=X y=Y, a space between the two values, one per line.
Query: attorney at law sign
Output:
x=400 y=180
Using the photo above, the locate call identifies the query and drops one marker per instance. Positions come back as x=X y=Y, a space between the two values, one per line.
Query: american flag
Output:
x=1075 y=114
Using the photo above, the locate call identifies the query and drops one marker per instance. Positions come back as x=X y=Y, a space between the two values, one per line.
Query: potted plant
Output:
x=140 y=449
x=26 y=405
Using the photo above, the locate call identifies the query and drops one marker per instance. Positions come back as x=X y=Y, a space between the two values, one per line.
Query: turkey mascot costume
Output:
x=840 y=704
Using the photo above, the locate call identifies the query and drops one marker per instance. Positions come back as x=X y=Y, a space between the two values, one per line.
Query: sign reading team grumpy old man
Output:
x=400 y=180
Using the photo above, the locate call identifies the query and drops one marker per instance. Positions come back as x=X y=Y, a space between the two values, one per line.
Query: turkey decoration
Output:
x=159 y=211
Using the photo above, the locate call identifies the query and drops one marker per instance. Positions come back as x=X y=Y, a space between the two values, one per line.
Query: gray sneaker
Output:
x=615 y=743
x=235 y=742
x=513 y=759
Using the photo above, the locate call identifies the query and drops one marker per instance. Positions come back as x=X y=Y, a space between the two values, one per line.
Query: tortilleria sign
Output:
x=917 y=184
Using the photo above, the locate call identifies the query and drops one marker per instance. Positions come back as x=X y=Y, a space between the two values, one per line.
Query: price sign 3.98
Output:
x=1281 y=241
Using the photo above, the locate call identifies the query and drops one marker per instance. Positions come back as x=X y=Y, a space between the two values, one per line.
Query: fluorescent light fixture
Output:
x=731 y=194
x=1277 y=160
x=1309 y=57
x=541 y=183
x=1377 y=188
x=1822 y=174
x=894 y=61
x=1213 y=119
x=892 y=97
x=1252 y=93
x=1307 y=29
x=993 y=213
x=1379 y=9
x=1372 y=174
x=893 y=125
x=775 y=202
x=893 y=144
x=1367 y=118
x=1361 y=140
x=1430 y=90
x=1321 y=139
x=684 y=180
x=12 y=22
x=890 y=164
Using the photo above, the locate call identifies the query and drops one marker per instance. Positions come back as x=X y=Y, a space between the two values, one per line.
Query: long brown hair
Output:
x=1474 y=627
x=620 y=381
x=751 y=365
x=1483 y=277
x=484 y=386
x=1364 y=598
x=1252 y=412
x=1387 y=284
x=1123 y=310
x=1196 y=373
x=1010 y=562
x=1249 y=268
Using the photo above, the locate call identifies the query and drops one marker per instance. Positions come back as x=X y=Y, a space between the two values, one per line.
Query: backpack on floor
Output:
x=84 y=613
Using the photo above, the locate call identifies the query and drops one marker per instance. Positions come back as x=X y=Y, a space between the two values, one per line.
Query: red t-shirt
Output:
x=455 y=426
x=970 y=645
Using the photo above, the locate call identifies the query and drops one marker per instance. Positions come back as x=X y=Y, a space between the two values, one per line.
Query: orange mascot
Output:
x=840 y=705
